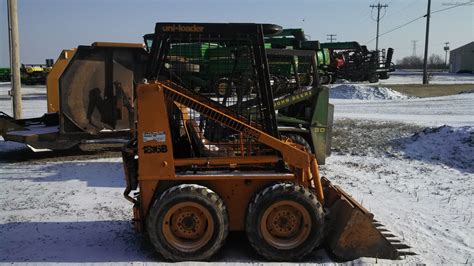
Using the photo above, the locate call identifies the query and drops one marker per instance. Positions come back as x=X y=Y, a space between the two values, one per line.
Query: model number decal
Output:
x=159 y=136
x=155 y=149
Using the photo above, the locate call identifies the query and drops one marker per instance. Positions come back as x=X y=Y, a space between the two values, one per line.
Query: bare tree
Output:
x=416 y=62
x=435 y=61
x=410 y=62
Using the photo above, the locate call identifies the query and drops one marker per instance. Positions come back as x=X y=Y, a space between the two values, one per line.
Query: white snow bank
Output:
x=451 y=146
x=361 y=92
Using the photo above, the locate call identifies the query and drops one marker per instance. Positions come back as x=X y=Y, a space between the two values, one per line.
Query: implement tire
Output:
x=298 y=139
x=284 y=222
x=188 y=222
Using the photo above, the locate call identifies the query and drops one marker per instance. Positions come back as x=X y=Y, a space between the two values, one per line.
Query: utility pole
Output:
x=14 y=57
x=446 y=49
x=414 y=46
x=378 y=6
x=427 y=35
x=331 y=37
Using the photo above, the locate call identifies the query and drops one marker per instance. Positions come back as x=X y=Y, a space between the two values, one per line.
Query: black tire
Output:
x=223 y=87
x=384 y=75
x=374 y=78
x=264 y=202
x=324 y=79
x=299 y=140
x=159 y=222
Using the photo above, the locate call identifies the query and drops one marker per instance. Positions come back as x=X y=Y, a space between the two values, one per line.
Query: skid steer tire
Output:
x=299 y=140
x=188 y=222
x=284 y=222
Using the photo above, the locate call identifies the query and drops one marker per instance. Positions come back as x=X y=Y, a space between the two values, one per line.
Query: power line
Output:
x=400 y=10
x=394 y=29
x=331 y=37
x=453 y=6
x=418 y=18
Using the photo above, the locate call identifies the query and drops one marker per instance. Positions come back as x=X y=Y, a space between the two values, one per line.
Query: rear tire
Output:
x=284 y=222
x=188 y=222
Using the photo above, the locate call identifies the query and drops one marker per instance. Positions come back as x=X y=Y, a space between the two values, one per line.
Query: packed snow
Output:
x=362 y=92
x=419 y=183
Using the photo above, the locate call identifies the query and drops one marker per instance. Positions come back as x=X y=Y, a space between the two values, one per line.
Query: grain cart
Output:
x=89 y=98
x=189 y=191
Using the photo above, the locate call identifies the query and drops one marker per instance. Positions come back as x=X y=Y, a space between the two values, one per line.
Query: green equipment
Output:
x=5 y=74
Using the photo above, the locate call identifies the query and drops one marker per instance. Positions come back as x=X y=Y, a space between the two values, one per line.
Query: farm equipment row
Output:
x=223 y=133
x=340 y=60
x=30 y=74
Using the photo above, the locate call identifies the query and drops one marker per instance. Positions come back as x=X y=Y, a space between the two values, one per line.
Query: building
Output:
x=461 y=59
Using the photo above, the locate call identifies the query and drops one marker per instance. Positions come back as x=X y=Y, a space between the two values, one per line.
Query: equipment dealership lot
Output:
x=70 y=208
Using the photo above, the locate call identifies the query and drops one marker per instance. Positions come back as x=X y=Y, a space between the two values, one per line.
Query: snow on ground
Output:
x=34 y=100
x=419 y=183
x=451 y=146
x=416 y=77
x=420 y=186
x=361 y=92
x=427 y=205
x=454 y=110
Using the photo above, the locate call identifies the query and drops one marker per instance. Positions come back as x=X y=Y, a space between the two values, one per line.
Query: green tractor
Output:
x=5 y=74
x=296 y=39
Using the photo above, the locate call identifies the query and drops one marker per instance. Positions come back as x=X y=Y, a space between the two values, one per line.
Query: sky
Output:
x=48 y=26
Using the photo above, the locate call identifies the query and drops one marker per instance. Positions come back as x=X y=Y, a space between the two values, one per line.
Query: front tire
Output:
x=188 y=222
x=285 y=222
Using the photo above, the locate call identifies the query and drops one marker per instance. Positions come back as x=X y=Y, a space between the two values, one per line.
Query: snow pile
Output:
x=354 y=91
x=451 y=146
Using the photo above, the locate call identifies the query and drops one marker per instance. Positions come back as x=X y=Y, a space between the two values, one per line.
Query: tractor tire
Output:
x=374 y=78
x=309 y=80
x=324 y=79
x=188 y=222
x=223 y=87
x=298 y=139
x=285 y=222
x=384 y=75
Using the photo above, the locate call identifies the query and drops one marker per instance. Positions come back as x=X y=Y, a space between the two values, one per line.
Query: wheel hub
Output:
x=285 y=224
x=284 y=221
x=188 y=226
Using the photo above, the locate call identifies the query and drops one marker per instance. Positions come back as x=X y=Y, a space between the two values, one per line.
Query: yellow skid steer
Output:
x=203 y=163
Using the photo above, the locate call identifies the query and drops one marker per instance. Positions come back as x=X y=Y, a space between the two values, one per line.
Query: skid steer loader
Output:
x=190 y=190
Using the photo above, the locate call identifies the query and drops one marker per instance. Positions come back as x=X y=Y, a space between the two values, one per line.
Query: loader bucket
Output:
x=353 y=232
